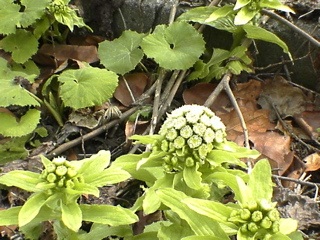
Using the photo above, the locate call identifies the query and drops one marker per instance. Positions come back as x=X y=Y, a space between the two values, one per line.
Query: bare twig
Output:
x=311 y=184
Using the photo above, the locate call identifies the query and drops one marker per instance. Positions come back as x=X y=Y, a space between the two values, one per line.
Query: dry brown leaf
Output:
x=199 y=93
x=52 y=54
x=248 y=91
x=312 y=162
x=287 y=99
x=137 y=82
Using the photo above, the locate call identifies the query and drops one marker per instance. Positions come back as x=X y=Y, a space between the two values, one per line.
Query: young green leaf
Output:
x=259 y=33
x=22 y=179
x=10 y=127
x=241 y=3
x=220 y=12
x=177 y=46
x=192 y=177
x=260 y=181
x=107 y=214
x=31 y=207
x=123 y=54
x=151 y=202
x=87 y=87
x=9 y=216
x=200 y=224
x=22 y=44
x=275 y=4
x=71 y=215
x=245 y=15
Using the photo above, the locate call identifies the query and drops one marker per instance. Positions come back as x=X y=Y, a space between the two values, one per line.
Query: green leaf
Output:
x=108 y=176
x=71 y=215
x=69 y=18
x=31 y=207
x=238 y=151
x=241 y=3
x=87 y=87
x=13 y=149
x=260 y=181
x=244 y=16
x=177 y=46
x=22 y=44
x=101 y=231
x=83 y=188
x=220 y=13
x=275 y=4
x=151 y=202
x=192 y=177
x=22 y=179
x=259 y=33
x=213 y=210
x=27 y=124
x=9 y=216
x=33 y=10
x=202 y=238
x=9 y=16
x=107 y=214
x=288 y=225
x=200 y=224
x=122 y=54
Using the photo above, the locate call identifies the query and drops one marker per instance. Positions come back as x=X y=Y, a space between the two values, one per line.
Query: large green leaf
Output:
x=177 y=46
x=200 y=224
x=22 y=179
x=10 y=127
x=123 y=54
x=33 y=10
x=107 y=214
x=31 y=207
x=108 y=176
x=259 y=33
x=9 y=16
x=71 y=215
x=260 y=181
x=241 y=3
x=22 y=44
x=87 y=87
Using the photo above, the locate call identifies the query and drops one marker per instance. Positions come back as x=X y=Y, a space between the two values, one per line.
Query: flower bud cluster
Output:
x=61 y=173
x=189 y=134
x=256 y=216
x=58 y=7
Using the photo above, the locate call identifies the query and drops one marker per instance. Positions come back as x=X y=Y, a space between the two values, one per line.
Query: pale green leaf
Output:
x=177 y=46
x=200 y=224
x=9 y=216
x=31 y=208
x=288 y=225
x=83 y=188
x=10 y=127
x=260 y=181
x=192 y=177
x=214 y=210
x=22 y=179
x=275 y=4
x=259 y=33
x=13 y=149
x=28 y=70
x=238 y=151
x=244 y=16
x=220 y=12
x=101 y=231
x=151 y=202
x=87 y=87
x=22 y=44
x=9 y=16
x=71 y=215
x=122 y=54
x=107 y=177
x=107 y=214
x=69 y=18
x=33 y=10
x=202 y=238
x=241 y=3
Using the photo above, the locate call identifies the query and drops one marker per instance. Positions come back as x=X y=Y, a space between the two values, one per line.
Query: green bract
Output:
x=57 y=189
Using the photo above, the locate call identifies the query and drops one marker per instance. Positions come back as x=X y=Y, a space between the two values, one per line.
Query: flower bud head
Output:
x=51 y=177
x=245 y=214
x=257 y=216
x=274 y=215
x=253 y=227
x=266 y=223
x=61 y=170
